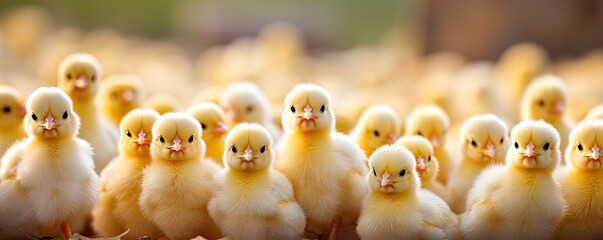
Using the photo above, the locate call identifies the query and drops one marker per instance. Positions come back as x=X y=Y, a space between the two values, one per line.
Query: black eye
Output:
x=34 y=117
x=473 y=143
x=65 y=115
x=263 y=149
x=376 y=133
x=501 y=140
x=130 y=134
x=541 y=103
x=546 y=146
x=6 y=109
x=234 y=149
x=249 y=108
x=374 y=172
x=114 y=95
x=419 y=133
x=190 y=139
x=292 y=109
x=429 y=159
x=93 y=78
x=69 y=76
x=580 y=147
x=322 y=109
x=161 y=139
x=403 y=173
x=203 y=125
x=516 y=145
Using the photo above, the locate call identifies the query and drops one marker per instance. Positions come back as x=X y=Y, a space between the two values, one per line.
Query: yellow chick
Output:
x=595 y=113
x=252 y=200
x=120 y=94
x=47 y=181
x=545 y=99
x=427 y=165
x=582 y=185
x=211 y=119
x=163 y=103
x=483 y=142
x=245 y=102
x=178 y=183
x=396 y=207
x=325 y=167
x=11 y=118
x=120 y=182
x=431 y=122
x=519 y=200
x=378 y=126
x=79 y=77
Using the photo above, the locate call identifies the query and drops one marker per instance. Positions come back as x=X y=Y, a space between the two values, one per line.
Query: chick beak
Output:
x=435 y=140
x=81 y=82
x=176 y=146
x=248 y=154
x=386 y=180
x=558 y=107
x=21 y=112
x=307 y=115
x=142 y=138
x=595 y=154
x=421 y=165
x=49 y=124
x=234 y=115
x=220 y=129
x=490 y=150
x=127 y=97
x=391 y=138
x=529 y=152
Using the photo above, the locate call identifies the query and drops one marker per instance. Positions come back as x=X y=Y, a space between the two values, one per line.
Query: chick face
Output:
x=50 y=114
x=308 y=109
x=430 y=122
x=79 y=76
x=545 y=99
x=392 y=170
x=484 y=139
x=136 y=131
x=211 y=119
x=121 y=92
x=177 y=137
x=12 y=110
x=422 y=151
x=380 y=126
x=586 y=143
x=244 y=102
x=535 y=145
x=248 y=147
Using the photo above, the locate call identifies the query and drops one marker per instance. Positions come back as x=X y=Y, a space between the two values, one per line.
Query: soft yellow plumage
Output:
x=12 y=112
x=378 y=126
x=163 y=103
x=211 y=119
x=120 y=94
x=596 y=113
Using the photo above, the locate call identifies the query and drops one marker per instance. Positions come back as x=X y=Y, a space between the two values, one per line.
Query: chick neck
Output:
x=313 y=135
x=542 y=170
x=249 y=173
x=408 y=194
x=88 y=111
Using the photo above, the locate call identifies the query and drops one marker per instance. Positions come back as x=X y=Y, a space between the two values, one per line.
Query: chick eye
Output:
x=402 y=173
x=516 y=145
x=374 y=172
x=419 y=133
x=65 y=115
x=34 y=117
x=501 y=140
x=93 y=78
x=263 y=149
x=203 y=125
x=580 y=147
x=429 y=159
x=376 y=133
x=541 y=103
x=546 y=146
x=292 y=109
x=249 y=108
x=234 y=149
x=129 y=134
x=114 y=95
x=190 y=139
x=6 y=109
x=473 y=143
x=161 y=139
x=69 y=76
x=322 y=109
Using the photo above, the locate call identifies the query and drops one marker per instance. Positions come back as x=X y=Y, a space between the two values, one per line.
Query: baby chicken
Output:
x=325 y=167
x=163 y=103
x=431 y=122
x=427 y=164
x=595 y=113
x=520 y=200
x=120 y=94
x=396 y=207
x=581 y=184
x=11 y=118
x=211 y=118
x=79 y=77
x=245 y=102
x=120 y=181
x=47 y=181
x=483 y=142
x=177 y=185
x=545 y=99
x=252 y=200
x=378 y=125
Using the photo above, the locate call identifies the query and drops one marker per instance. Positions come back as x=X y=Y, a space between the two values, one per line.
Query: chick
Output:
x=252 y=200
x=11 y=118
x=595 y=113
x=245 y=102
x=79 y=77
x=431 y=122
x=325 y=167
x=163 y=103
x=378 y=125
x=520 y=200
x=545 y=99
x=427 y=164
x=483 y=142
x=581 y=184
x=120 y=94
x=211 y=119
x=396 y=207
x=177 y=169
x=47 y=181
x=120 y=182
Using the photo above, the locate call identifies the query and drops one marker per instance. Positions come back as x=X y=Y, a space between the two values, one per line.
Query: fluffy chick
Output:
x=427 y=165
x=211 y=119
x=520 y=200
x=581 y=183
x=177 y=169
x=378 y=126
x=163 y=103
x=546 y=99
x=120 y=182
x=120 y=94
x=325 y=167
x=79 y=77
x=596 y=113
x=431 y=122
x=483 y=142
x=396 y=207
x=252 y=200
x=12 y=112
x=245 y=102
x=47 y=181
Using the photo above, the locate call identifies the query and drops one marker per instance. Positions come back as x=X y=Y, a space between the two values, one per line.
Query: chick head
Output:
x=308 y=109
x=177 y=137
x=427 y=166
x=544 y=99
x=248 y=147
x=79 y=76
x=595 y=113
x=584 y=149
x=428 y=121
x=535 y=145
x=211 y=119
x=484 y=139
x=12 y=110
x=392 y=170
x=121 y=92
x=50 y=114
x=244 y=102
x=379 y=125
x=136 y=131
x=163 y=103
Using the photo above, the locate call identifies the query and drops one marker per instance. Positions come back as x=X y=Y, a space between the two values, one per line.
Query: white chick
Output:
x=12 y=112
x=519 y=200
x=47 y=182
x=120 y=94
x=378 y=126
x=211 y=119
